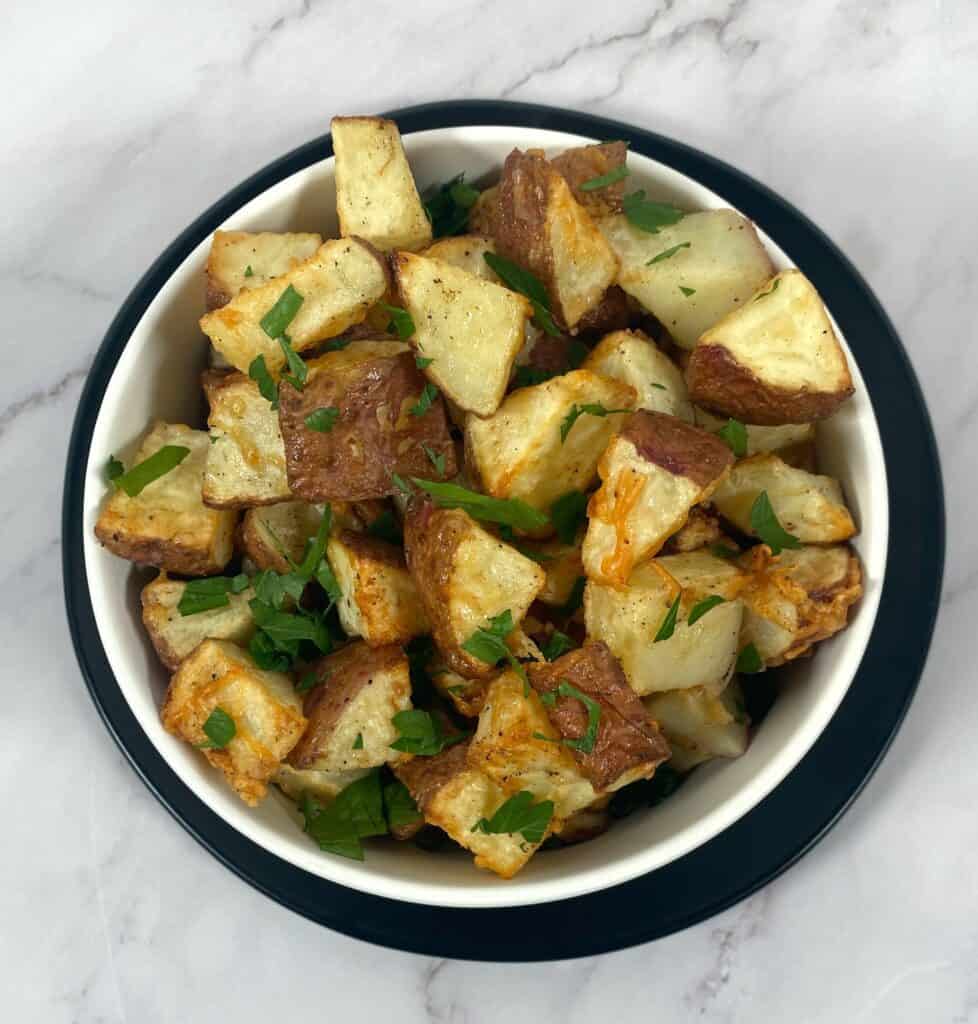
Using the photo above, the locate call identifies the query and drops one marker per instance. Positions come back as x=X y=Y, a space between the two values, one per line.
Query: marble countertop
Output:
x=121 y=121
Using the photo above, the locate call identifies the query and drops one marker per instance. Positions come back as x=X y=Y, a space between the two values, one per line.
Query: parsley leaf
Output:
x=298 y=369
x=401 y=484
x=576 y=598
x=385 y=527
x=358 y=742
x=210 y=592
x=323 y=420
x=356 y=813
x=258 y=372
x=687 y=291
x=219 y=729
x=276 y=321
x=399 y=805
x=519 y=280
x=647 y=215
x=735 y=434
x=287 y=629
x=585 y=743
x=273 y=588
x=401 y=321
x=519 y=814
x=616 y=174
x=668 y=626
x=510 y=511
x=568 y=513
x=765 y=524
x=267 y=656
x=447 y=206
x=309 y=681
x=144 y=473
x=423 y=362
x=438 y=461
x=667 y=254
x=588 y=408
x=421 y=733
x=723 y=551
x=557 y=644
x=489 y=645
x=423 y=404
x=702 y=607
x=506 y=534
x=248 y=271
x=114 y=468
x=770 y=291
x=749 y=660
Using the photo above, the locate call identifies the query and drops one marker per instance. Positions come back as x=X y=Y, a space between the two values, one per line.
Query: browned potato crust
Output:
x=612 y=313
x=701 y=528
x=376 y=433
x=677 y=446
x=424 y=776
x=629 y=745
x=582 y=163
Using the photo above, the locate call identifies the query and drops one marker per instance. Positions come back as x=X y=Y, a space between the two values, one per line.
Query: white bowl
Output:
x=157 y=377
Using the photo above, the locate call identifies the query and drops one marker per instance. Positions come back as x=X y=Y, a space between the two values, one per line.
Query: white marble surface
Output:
x=121 y=120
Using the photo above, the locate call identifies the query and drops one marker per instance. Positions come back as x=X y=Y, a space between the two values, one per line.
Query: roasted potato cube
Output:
x=264 y=706
x=508 y=748
x=376 y=197
x=809 y=506
x=467 y=252
x=627 y=746
x=453 y=796
x=628 y=621
x=174 y=635
x=360 y=689
x=652 y=474
x=793 y=442
x=518 y=452
x=484 y=215
x=633 y=358
x=700 y=725
x=167 y=524
x=240 y=260
x=585 y=825
x=465 y=577
x=380 y=601
x=773 y=360
x=339 y=283
x=246 y=458
x=375 y=386
x=562 y=566
x=701 y=529
x=467 y=695
x=797 y=599
x=543 y=228
x=724 y=264
x=585 y=163
x=470 y=329
x=323 y=787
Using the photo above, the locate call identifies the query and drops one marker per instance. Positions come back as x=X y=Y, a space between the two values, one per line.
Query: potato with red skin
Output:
x=585 y=163
x=628 y=745
x=374 y=385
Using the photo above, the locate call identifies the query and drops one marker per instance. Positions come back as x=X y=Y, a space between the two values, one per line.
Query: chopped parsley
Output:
x=219 y=729
x=248 y=271
x=421 y=733
x=735 y=434
x=527 y=284
x=687 y=291
x=488 y=645
x=114 y=468
x=323 y=420
x=258 y=372
x=749 y=660
x=210 y=592
x=448 y=206
x=557 y=644
x=276 y=321
x=358 y=742
x=577 y=411
x=613 y=176
x=399 y=805
x=161 y=462
x=668 y=625
x=356 y=813
x=585 y=743
x=647 y=215
x=298 y=371
x=702 y=607
x=423 y=404
x=667 y=254
x=437 y=460
x=401 y=322
x=509 y=511
x=519 y=814
x=770 y=291
x=765 y=524
x=568 y=513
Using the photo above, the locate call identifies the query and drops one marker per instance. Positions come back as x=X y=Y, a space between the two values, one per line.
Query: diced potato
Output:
x=585 y=163
x=374 y=386
x=350 y=709
x=323 y=787
x=338 y=284
x=613 y=313
x=466 y=695
x=627 y=746
x=702 y=528
x=543 y=228
x=465 y=577
x=518 y=452
x=174 y=635
x=628 y=621
x=470 y=329
x=700 y=725
x=506 y=749
x=585 y=825
x=467 y=252
x=773 y=360
x=793 y=442
x=652 y=474
x=167 y=524
x=724 y=265
x=809 y=506
x=376 y=197
x=239 y=260
x=562 y=566
x=633 y=358
x=454 y=797
x=380 y=601
x=264 y=706
x=246 y=458
x=484 y=215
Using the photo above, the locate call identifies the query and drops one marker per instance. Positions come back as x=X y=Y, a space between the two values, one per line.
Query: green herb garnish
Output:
x=765 y=524
x=258 y=372
x=401 y=322
x=219 y=729
x=510 y=511
x=702 y=607
x=210 y=592
x=735 y=434
x=276 y=321
x=687 y=291
x=488 y=645
x=401 y=484
x=519 y=814
x=356 y=813
x=144 y=473
x=447 y=206
x=423 y=362
x=114 y=468
x=723 y=551
x=522 y=281
x=557 y=644
x=647 y=215
x=568 y=513
x=421 y=733
x=585 y=743
x=438 y=461
x=770 y=291
x=589 y=409
x=298 y=371
x=399 y=805
x=248 y=271
x=613 y=176
x=749 y=660
x=358 y=742
x=667 y=254
x=668 y=626
x=423 y=404
x=307 y=682
x=323 y=420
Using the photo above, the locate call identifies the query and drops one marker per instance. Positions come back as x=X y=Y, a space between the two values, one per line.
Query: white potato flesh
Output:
x=467 y=252
x=700 y=725
x=724 y=265
x=778 y=440
x=323 y=787
x=239 y=260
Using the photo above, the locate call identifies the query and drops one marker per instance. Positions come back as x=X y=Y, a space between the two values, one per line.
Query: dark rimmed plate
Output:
x=775 y=833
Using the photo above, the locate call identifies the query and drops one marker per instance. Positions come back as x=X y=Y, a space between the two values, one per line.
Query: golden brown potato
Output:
x=700 y=530
x=167 y=524
x=376 y=197
x=375 y=386
x=339 y=284
x=470 y=329
x=519 y=452
x=350 y=709
x=246 y=458
x=174 y=635
x=794 y=443
x=585 y=163
x=264 y=706
x=562 y=565
x=724 y=264
x=465 y=577
x=810 y=507
x=633 y=358
x=467 y=695
x=323 y=787
x=380 y=601
x=773 y=360
x=700 y=725
x=627 y=745
x=239 y=260
x=484 y=215
x=653 y=472
x=543 y=228
x=467 y=252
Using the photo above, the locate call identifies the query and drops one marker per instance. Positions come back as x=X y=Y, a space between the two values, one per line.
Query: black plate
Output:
x=780 y=829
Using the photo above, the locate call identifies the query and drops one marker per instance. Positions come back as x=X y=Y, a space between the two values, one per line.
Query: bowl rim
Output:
x=444 y=115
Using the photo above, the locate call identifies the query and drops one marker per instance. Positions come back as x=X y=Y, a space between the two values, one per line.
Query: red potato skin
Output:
x=612 y=313
x=678 y=447
x=424 y=776
x=717 y=382
x=583 y=163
